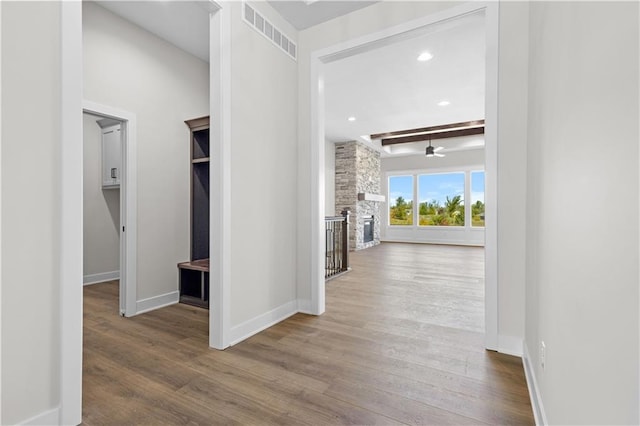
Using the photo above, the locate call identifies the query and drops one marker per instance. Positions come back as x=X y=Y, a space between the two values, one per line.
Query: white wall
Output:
x=420 y=162
x=512 y=108
x=329 y=179
x=453 y=161
x=582 y=205
x=30 y=209
x=264 y=113
x=101 y=209
x=130 y=69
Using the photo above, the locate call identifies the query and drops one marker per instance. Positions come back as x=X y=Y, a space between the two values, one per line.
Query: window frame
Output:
x=415 y=173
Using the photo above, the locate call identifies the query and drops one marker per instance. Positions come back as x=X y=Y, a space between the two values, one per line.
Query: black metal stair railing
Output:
x=336 y=244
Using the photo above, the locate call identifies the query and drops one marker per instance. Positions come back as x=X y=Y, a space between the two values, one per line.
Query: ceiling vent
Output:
x=268 y=30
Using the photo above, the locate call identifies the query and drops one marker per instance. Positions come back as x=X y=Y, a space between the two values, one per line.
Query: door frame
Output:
x=128 y=205
x=370 y=42
x=70 y=410
x=220 y=174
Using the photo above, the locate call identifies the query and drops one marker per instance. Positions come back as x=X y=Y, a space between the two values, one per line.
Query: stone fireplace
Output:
x=358 y=189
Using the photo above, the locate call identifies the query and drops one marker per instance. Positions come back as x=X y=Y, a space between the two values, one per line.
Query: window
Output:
x=477 y=198
x=441 y=199
x=401 y=200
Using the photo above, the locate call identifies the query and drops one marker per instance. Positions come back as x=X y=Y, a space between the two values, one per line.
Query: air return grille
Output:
x=267 y=29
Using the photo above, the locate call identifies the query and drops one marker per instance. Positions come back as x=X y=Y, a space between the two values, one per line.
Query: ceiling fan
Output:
x=433 y=152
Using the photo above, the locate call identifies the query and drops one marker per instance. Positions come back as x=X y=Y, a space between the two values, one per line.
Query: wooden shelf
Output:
x=195 y=265
x=200 y=160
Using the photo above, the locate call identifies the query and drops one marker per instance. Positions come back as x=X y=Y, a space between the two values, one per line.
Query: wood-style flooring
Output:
x=400 y=343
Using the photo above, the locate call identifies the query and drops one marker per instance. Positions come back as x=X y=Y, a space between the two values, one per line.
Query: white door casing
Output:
x=128 y=209
x=370 y=42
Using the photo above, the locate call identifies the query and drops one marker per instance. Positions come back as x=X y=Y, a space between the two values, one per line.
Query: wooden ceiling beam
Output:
x=462 y=125
x=434 y=135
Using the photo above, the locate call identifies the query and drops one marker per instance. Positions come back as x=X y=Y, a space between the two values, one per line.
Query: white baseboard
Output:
x=100 y=278
x=51 y=417
x=157 y=302
x=434 y=241
x=255 y=325
x=534 y=391
x=510 y=345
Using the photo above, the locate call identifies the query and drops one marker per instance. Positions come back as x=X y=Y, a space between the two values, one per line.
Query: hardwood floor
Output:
x=400 y=343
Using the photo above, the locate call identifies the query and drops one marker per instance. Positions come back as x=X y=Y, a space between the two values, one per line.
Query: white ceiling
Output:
x=183 y=23
x=387 y=89
x=304 y=14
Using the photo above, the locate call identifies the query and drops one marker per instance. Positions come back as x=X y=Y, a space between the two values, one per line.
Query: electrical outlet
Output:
x=543 y=353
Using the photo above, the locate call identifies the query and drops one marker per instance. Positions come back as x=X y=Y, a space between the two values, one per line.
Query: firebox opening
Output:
x=368 y=229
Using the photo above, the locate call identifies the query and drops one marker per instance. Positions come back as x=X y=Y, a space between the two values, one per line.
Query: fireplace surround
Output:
x=357 y=187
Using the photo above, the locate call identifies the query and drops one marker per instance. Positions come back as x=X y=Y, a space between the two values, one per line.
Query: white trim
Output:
x=372 y=41
x=534 y=390
x=210 y=6
x=157 y=302
x=100 y=278
x=437 y=171
x=434 y=241
x=317 y=120
x=220 y=170
x=128 y=204
x=510 y=345
x=70 y=274
x=49 y=417
x=0 y=212
x=261 y=322
x=491 y=314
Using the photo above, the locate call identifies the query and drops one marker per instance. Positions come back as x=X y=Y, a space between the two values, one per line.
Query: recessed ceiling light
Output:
x=425 y=56
x=443 y=103
x=351 y=119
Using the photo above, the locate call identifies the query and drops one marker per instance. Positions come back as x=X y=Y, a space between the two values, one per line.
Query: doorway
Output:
x=123 y=196
x=102 y=142
x=367 y=43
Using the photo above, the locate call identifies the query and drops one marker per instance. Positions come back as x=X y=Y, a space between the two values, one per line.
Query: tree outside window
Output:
x=441 y=199
x=401 y=200
x=477 y=198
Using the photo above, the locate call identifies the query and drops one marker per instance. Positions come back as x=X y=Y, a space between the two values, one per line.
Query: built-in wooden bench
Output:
x=194 y=282
x=194 y=275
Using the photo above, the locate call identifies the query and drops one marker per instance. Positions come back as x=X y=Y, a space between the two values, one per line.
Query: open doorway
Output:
x=108 y=188
x=383 y=107
x=348 y=49
x=102 y=147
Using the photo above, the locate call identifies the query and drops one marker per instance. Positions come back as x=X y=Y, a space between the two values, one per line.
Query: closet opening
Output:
x=108 y=191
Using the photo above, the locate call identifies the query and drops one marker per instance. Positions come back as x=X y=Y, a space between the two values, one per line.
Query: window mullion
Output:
x=467 y=199
x=416 y=206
